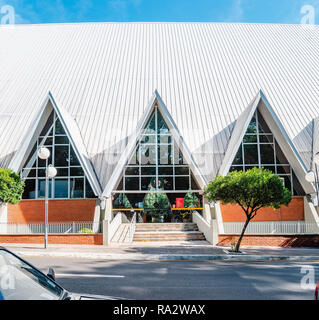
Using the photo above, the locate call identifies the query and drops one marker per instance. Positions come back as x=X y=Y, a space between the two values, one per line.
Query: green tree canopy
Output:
x=11 y=186
x=251 y=190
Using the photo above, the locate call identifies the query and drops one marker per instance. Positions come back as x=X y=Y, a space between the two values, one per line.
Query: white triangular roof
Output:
x=156 y=101
x=207 y=73
x=261 y=103
x=73 y=133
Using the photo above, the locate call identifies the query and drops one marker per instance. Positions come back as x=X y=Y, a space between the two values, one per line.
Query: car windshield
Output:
x=20 y=281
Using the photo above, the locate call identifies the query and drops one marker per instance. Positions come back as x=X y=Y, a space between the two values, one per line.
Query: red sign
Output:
x=179 y=202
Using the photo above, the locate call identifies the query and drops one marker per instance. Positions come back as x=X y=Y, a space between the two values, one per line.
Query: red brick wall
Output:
x=271 y=240
x=29 y=211
x=82 y=239
x=294 y=211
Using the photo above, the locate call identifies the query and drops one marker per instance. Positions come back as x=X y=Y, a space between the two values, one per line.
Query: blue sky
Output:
x=265 y=11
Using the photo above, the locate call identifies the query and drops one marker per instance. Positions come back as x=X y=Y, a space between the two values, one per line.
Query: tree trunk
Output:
x=241 y=236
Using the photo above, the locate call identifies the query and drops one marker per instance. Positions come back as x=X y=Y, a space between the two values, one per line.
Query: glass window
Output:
x=76 y=187
x=236 y=168
x=164 y=139
x=262 y=125
x=280 y=157
x=120 y=185
x=48 y=141
x=30 y=173
x=160 y=160
x=58 y=127
x=67 y=165
x=250 y=138
x=165 y=171
x=271 y=156
x=271 y=168
x=267 y=154
x=148 y=139
x=76 y=171
x=179 y=171
x=132 y=171
x=287 y=181
x=194 y=185
x=29 y=189
x=165 y=154
x=135 y=157
x=148 y=171
x=132 y=183
x=251 y=154
x=168 y=183
x=61 y=188
x=73 y=158
x=181 y=183
x=150 y=129
x=283 y=169
x=41 y=188
x=62 y=172
x=88 y=190
x=61 y=156
x=61 y=140
x=266 y=138
x=239 y=156
x=148 y=154
x=146 y=183
x=252 y=127
x=47 y=125
x=162 y=127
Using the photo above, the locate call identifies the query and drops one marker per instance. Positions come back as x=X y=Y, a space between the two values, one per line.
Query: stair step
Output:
x=142 y=227
x=168 y=236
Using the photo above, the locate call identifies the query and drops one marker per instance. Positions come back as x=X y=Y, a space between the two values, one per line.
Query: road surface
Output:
x=182 y=280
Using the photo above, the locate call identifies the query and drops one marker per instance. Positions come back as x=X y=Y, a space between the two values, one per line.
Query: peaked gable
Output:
x=261 y=104
x=155 y=102
x=26 y=155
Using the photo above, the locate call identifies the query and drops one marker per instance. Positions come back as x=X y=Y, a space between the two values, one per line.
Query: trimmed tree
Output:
x=11 y=186
x=251 y=190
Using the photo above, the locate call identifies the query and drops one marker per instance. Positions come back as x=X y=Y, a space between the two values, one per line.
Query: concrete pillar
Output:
x=207 y=210
x=108 y=209
x=97 y=216
x=3 y=217
x=215 y=231
x=106 y=233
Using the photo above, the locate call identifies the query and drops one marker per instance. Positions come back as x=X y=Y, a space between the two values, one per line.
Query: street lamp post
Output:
x=313 y=177
x=50 y=172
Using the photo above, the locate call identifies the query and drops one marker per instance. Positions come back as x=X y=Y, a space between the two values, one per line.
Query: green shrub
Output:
x=86 y=230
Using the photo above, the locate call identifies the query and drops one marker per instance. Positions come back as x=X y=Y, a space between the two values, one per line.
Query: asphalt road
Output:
x=182 y=280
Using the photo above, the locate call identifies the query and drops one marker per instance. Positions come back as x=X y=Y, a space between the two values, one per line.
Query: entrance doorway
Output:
x=158 y=207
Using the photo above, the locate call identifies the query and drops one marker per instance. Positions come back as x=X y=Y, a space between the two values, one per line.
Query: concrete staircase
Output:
x=167 y=232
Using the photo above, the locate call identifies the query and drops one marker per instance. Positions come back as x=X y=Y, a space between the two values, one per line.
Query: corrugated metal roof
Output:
x=104 y=75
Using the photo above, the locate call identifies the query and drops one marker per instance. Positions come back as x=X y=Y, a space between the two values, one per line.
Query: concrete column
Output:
x=108 y=209
x=215 y=231
x=106 y=233
x=3 y=217
x=97 y=216
x=207 y=210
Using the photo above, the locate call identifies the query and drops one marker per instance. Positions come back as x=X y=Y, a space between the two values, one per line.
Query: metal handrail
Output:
x=75 y=227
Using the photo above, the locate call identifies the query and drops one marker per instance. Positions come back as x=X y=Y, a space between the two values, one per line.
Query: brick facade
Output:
x=79 y=239
x=294 y=212
x=271 y=240
x=32 y=211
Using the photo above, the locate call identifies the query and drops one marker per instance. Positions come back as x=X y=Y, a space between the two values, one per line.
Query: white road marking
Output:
x=88 y=275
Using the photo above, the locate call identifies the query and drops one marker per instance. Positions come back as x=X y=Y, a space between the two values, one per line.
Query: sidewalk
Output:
x=197 y=250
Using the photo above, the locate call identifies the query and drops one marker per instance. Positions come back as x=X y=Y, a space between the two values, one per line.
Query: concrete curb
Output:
x=159 y=257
